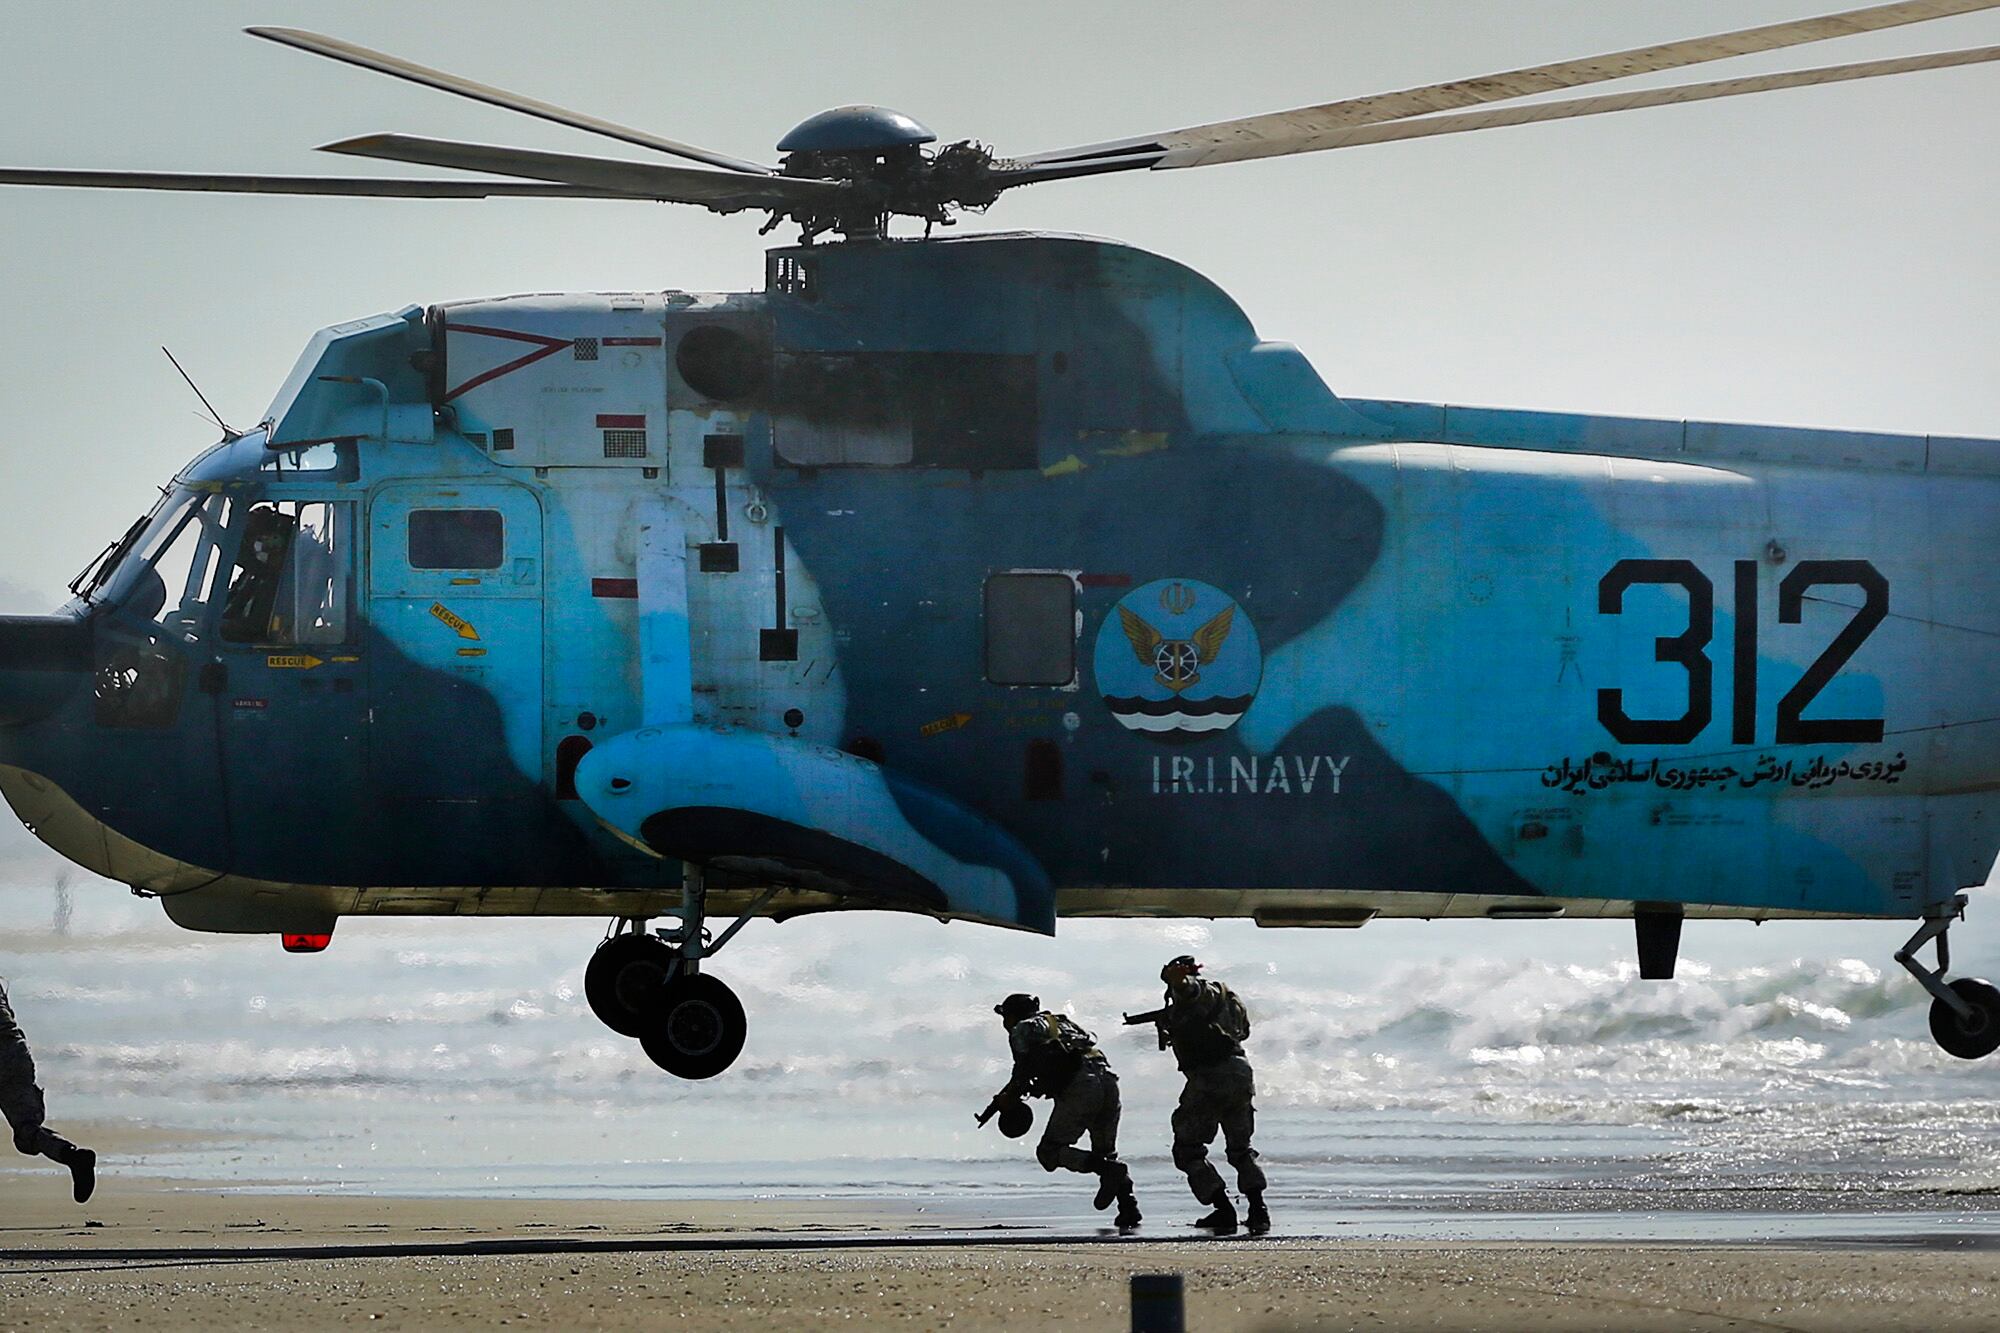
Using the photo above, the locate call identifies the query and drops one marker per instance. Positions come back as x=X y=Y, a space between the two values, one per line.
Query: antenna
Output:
x=213 y=415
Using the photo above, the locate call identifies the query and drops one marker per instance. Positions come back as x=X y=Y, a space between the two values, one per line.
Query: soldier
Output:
x=1206 y=1025
x=1053 y=1057
x=21 y=1101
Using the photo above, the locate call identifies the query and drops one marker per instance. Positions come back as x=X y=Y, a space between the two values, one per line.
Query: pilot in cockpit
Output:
x=253 y=595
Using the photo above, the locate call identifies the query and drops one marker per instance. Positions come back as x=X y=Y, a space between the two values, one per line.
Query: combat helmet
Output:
x=1018 y=1006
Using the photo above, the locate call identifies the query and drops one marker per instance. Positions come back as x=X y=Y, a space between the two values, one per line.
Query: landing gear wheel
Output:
x=623 y=982
x=1971 y=1038
x=698 y=1028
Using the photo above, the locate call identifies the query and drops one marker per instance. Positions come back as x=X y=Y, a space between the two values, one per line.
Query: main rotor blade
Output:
x=382 y=63
x=1695 y=92
x=1499 y=117
x=722 y=191
x=1309 y=129
x=320 y=185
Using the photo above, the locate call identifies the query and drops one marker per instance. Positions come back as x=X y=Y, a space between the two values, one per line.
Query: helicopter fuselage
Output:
x=1000 y=578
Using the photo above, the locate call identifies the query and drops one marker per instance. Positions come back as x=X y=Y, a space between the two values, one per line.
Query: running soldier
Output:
x=1206 y=1025
x=1055 y=1058
x=21 y=1102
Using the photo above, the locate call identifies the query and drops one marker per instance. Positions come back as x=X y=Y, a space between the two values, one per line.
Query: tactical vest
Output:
x=1062 y=1055
x=1209 y=1032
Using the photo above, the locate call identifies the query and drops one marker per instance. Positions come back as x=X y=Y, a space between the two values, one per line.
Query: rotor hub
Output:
x=855 y=129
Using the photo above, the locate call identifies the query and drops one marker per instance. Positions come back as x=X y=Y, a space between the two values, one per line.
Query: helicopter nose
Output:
x=43 y=660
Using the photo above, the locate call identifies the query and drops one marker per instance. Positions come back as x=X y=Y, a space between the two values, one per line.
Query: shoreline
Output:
x=183 y=1255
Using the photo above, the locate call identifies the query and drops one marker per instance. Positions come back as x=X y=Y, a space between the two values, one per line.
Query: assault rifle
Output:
x=1158 y=1018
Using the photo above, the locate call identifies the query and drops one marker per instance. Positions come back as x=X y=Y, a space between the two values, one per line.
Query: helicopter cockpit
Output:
x=218 y=564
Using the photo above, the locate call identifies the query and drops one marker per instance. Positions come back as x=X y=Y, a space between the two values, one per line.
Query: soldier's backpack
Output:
x=1218 y=1035
x=1069 y=1045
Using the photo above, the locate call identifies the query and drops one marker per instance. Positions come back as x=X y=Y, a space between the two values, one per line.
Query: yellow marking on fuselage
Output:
x=458 y=623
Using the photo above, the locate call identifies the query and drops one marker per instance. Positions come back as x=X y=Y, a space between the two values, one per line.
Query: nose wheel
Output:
x=649 y=985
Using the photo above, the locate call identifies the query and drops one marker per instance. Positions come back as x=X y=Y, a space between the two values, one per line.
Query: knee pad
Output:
x=28 y=1140
x=1190 y=1155
x=1241 y=1156
x=1049 y=1155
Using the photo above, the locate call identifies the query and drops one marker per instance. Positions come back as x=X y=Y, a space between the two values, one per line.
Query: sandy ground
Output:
x=155 y=1255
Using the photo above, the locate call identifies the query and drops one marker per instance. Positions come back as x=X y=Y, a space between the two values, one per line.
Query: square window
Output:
x=1030 y=629
x=457 y=539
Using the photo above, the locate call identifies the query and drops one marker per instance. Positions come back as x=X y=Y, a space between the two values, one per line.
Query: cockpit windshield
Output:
x=170 y=573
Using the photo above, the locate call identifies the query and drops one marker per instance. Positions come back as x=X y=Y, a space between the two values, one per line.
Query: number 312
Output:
x=1689 y=650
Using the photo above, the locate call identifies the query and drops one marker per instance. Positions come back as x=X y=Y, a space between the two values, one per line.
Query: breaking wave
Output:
x=873 y=1040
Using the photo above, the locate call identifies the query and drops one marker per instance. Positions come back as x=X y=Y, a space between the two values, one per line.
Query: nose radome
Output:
x=43 y=659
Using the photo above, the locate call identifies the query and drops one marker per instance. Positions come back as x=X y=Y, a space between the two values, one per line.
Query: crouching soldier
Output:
x=21 y=1102
x=1055 y=1058
x=1206 y=1025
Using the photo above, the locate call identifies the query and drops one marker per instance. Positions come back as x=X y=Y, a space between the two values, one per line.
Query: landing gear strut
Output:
x=1965 y=1014
x=650 y=985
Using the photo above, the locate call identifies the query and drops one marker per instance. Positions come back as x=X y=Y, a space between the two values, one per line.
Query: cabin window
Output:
x=1031 y=629
x=294 y=576
x=457 y=539
x=328 y=456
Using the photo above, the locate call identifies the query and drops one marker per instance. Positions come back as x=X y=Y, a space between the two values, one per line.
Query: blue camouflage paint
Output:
x=1342 y=654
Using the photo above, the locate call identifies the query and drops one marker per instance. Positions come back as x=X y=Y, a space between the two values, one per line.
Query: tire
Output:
x=698 y=1030
x=623 y=982
x=1974 y=1038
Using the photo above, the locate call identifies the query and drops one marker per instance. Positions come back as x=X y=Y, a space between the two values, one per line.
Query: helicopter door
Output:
x=291 y=686
x=455 y=594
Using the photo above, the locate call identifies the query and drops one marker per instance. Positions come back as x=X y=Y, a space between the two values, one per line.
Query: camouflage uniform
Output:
x=1086 y=1101
x=1218 y=1092
x=20 y=1098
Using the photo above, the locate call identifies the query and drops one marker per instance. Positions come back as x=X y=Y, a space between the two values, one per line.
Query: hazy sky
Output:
x=1820 y=256
x=1823 y=256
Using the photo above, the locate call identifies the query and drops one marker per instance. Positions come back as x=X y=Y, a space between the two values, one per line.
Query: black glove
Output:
x=27 y=1139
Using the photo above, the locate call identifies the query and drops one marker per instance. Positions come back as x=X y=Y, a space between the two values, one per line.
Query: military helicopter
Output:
x=1000 y=578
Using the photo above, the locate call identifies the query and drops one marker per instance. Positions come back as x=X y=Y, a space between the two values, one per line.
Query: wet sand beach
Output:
x=160 y=1256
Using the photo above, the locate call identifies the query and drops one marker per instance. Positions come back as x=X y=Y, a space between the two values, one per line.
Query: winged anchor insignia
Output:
x=1176 y=663
x=1185 y=686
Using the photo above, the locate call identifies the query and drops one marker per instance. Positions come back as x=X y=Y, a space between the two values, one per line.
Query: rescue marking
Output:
x=944 y=724
x=457 y=623
x=631 y=342
x=472 y=652
x=621 y=421
x=292 y=662
x=546 y=347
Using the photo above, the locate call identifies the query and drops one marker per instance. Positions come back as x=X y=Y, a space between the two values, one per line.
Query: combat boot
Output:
x=1223 y=1220
x=82 y=1164
x=1113 y=1182
x=1128 y=1217
x=1258 y=1220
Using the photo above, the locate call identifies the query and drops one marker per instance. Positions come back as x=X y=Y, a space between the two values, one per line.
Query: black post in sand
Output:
x=1158 y=1304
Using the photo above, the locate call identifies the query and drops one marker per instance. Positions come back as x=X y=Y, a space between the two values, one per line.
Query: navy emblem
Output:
x=1178 y=660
